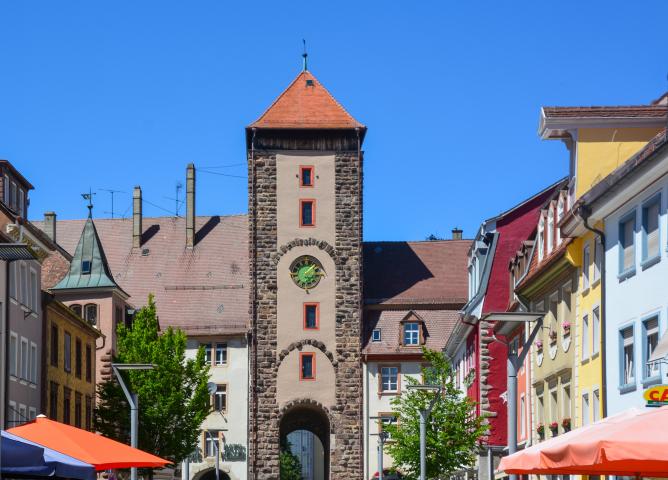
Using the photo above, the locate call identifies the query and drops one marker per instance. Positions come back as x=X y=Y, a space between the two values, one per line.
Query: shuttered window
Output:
x=627 y=367
x=650 y=220
x=627 y=244
x=651 y=339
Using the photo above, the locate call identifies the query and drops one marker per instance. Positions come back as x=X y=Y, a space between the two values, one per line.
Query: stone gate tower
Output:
x=305 y=216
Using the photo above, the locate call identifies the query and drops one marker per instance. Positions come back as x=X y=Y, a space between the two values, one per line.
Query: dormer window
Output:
x=540 y=235
x=85 y=267
x=550 y=230
x=375 y=335
x=411 y=334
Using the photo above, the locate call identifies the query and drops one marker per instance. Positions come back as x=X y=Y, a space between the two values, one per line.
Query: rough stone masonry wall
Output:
x=347 y=460
x=346 y=456
x=263 y=415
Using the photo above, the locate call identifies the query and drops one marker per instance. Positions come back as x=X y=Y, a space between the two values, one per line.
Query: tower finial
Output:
x=89 y=196
x=305 y=55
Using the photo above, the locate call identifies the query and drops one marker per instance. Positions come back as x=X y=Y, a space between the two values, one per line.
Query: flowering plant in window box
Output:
x=554 y=426
x=553 y=336
x=566 y=424
x=567 y=328
x=540 y=430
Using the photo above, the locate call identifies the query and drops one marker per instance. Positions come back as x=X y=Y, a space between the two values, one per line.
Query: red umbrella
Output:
x=101 y=452
x=632 y=443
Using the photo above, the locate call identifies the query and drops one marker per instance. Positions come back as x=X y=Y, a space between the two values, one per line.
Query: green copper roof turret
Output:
x=89 y=267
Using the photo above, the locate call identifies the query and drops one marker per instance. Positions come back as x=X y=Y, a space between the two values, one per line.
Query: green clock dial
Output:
x=306 y=272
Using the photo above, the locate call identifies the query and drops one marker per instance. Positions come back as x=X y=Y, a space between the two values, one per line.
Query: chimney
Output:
x=457 y=233
x=50 y=225
x=190 y=205
x=136 y=217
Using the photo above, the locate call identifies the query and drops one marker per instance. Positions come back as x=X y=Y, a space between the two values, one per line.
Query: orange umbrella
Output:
x=632 y=443
x=101 y=452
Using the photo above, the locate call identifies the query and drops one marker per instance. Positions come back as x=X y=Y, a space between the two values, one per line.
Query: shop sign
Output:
x=656 y=396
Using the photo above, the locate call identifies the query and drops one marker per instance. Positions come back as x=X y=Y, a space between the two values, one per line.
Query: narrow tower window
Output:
x=307 y=366
x=307 y=213
x=306 y=176
x=311 y=316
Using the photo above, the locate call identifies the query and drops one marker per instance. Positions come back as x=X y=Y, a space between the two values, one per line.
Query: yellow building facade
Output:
x=599 y=139
x=69 y=360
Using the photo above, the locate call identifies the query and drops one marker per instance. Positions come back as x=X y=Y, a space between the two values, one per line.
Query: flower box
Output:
x=566 y=424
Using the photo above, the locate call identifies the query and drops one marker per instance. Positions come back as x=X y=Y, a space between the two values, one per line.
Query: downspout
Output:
x=584 y=212
x=5 y=346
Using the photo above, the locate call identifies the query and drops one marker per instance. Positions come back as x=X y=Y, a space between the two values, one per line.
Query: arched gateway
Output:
x=306 y=429
x=305 y=218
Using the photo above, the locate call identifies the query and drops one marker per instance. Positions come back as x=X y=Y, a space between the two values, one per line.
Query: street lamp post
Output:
x=506 y=323
x=424 y=416
x=132 y=400
x=382 y=437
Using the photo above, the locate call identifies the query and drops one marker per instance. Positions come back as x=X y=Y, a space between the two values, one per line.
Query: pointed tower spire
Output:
x=89 y=267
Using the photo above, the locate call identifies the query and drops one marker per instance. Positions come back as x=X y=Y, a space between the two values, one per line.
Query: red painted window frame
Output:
x=301 y=175
x=301 y=356
x=313 y=210
x=317 y=315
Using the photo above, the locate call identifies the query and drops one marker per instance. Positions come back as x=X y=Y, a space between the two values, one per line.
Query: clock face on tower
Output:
x=306 y=272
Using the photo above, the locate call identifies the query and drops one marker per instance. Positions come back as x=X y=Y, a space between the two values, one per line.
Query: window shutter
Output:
x=627 y=336
x=652 y=325
x=628 y=244
x=652 y=230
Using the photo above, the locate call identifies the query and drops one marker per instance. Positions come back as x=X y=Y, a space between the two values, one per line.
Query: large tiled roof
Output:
x=409 y=273
x=306 y=104
x=203 y=290
x=438 y=327
x=622 y=111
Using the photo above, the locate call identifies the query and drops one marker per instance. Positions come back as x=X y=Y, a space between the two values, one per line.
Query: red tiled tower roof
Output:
x=306 y=104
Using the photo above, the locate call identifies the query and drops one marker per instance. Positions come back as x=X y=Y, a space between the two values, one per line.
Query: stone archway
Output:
x=309 y=425
x=210 y=474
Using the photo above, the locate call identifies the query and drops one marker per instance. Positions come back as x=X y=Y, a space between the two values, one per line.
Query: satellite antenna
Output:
x=112 y=192
x=211 y=387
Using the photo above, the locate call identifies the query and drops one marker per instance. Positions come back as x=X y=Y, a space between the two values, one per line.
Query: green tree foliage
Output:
x=453 y=429
x=290 y=465
x=173 y=397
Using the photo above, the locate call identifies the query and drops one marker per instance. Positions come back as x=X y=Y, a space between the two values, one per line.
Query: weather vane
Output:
x=304 y=55
x=89 y=196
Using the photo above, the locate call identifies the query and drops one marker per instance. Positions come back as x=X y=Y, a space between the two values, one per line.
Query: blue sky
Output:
x=114 y=94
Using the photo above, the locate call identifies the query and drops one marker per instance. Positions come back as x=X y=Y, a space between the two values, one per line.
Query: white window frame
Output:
x=625 y=386
x=598 y=258
x=33 y=290
x=586 y=259
x=595 y=330
x=585 y=337
x=34 y=358
x=374 y=337
x=412 y=336
x=218 y=394
x=24 y=364
x=550 y=229
x=389 y=376
x=622 y=241
x=646 y=353
x=221 y=347
x=541 y=237
x=585 y=409
x=14 y=367
x=596 y=405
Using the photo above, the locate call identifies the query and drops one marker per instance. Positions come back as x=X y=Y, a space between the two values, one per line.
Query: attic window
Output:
x=85 y=267
x=375 y=335
x=411 y=333
x=309 y=83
